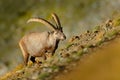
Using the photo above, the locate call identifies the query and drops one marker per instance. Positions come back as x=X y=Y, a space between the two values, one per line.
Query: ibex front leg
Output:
x=24 y=52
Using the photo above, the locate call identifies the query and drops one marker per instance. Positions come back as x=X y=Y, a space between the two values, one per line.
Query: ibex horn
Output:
x=43 y=21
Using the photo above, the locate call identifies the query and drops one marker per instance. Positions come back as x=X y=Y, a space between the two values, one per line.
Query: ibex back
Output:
x=38 y=44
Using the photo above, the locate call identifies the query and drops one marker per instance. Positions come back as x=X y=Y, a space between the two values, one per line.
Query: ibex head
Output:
x=57 y=30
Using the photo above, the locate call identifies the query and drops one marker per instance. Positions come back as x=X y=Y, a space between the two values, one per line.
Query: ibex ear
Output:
x=57 y=21
x=43 y=21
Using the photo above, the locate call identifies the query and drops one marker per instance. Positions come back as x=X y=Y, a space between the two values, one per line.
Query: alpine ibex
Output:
x=38 y=44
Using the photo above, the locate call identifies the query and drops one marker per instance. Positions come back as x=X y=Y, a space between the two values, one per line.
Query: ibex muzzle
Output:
x=38 y=44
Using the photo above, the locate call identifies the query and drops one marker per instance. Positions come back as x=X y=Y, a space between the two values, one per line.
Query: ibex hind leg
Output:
x=24 y=52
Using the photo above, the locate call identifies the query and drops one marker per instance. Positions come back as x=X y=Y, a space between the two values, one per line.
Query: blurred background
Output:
x=76 y=16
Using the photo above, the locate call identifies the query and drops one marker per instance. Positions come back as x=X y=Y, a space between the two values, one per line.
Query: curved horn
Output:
x=43 y=21
x=57 y=21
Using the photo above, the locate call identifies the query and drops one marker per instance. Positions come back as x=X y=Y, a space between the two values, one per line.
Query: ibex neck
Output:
x=52 y=39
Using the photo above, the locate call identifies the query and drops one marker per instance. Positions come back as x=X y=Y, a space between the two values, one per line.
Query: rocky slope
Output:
x=64 y=59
